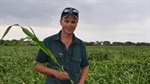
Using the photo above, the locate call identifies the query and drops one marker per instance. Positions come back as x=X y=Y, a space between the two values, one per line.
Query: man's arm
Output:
x=49 y=71
x=84 y=72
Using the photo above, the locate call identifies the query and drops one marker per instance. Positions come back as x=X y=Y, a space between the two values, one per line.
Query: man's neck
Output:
x=66 y=36
x=66 y=39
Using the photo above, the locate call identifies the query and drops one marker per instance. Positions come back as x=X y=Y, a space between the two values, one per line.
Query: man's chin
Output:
x=69 y=33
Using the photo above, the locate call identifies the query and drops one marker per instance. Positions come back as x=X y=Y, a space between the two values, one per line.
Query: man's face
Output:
x=69 y=24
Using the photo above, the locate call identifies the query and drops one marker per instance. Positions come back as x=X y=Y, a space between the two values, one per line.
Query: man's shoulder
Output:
x=52 y=37
x=78 y=40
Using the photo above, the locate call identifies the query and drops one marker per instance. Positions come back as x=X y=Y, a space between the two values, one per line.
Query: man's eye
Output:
x=73 y=22
x=66 y=21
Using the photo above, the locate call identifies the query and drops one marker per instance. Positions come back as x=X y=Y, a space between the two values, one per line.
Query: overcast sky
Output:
x=99 y=20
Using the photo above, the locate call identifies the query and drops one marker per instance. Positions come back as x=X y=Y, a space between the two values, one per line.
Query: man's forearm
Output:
x=49 y=71
x=84 y=72
x=43 y=69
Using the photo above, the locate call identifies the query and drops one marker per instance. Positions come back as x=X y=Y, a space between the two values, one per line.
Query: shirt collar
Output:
x=58 y=37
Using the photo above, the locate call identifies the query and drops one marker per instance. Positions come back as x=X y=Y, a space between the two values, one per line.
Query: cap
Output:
x=70 y=10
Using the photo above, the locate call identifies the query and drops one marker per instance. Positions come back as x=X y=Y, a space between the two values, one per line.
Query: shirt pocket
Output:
x=75 y=65
x=59 y=60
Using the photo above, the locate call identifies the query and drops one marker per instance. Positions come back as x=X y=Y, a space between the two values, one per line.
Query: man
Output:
x=68 y=50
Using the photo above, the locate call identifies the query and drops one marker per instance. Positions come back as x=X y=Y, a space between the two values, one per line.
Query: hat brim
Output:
x=70 y=14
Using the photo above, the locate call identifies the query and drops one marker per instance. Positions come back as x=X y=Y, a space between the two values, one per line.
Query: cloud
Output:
x=114 y=20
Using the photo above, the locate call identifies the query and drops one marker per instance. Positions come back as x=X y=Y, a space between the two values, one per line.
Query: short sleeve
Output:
x=41 y=56
x=85 y=61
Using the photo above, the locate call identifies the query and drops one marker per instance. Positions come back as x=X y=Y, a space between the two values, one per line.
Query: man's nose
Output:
x=69 y=24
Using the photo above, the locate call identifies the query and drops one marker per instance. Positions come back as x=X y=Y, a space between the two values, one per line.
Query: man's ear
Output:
x=61 y=22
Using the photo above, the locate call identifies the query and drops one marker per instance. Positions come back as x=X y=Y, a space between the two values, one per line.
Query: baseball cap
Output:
x=70 y=10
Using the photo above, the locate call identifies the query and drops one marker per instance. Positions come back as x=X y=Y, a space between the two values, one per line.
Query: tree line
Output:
x=29 y=42
x=108 y=43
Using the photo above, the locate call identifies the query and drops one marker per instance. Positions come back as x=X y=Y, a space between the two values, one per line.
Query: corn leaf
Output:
x=7 y=30
x=71 y=81
x=27 y=32
x=34 y=38
x=39 y=43
x=32 y=30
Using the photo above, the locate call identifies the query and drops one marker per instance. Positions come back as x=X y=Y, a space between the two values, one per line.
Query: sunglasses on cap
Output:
x=70 y=10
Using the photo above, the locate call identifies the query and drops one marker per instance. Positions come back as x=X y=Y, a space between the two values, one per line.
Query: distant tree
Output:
x=106 y=43
x=13 y=42
x=89 y=43
x=117 y=43
x=129 y=43
x=98 y=43
x=142 y=44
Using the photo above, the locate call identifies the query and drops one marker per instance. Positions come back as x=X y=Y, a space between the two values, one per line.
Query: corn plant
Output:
x=39 y=43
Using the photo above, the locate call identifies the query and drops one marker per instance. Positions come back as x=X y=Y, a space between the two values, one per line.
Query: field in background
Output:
x=108 y=65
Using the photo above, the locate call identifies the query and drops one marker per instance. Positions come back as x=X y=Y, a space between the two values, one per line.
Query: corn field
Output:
x=108 y=65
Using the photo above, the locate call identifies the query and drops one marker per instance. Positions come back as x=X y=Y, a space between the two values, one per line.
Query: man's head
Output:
x=69 y=10
x=69 y=20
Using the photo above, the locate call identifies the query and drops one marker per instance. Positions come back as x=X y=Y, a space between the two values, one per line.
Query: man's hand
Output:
x=49 y=71
x=61 y=75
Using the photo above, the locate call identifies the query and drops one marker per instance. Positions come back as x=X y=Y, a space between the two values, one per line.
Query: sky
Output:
x=99 y=20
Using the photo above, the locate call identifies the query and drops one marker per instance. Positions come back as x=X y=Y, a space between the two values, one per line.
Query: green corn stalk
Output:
x=39 y=43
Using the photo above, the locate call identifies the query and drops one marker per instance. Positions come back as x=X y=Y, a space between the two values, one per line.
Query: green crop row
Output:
x=108 y=65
